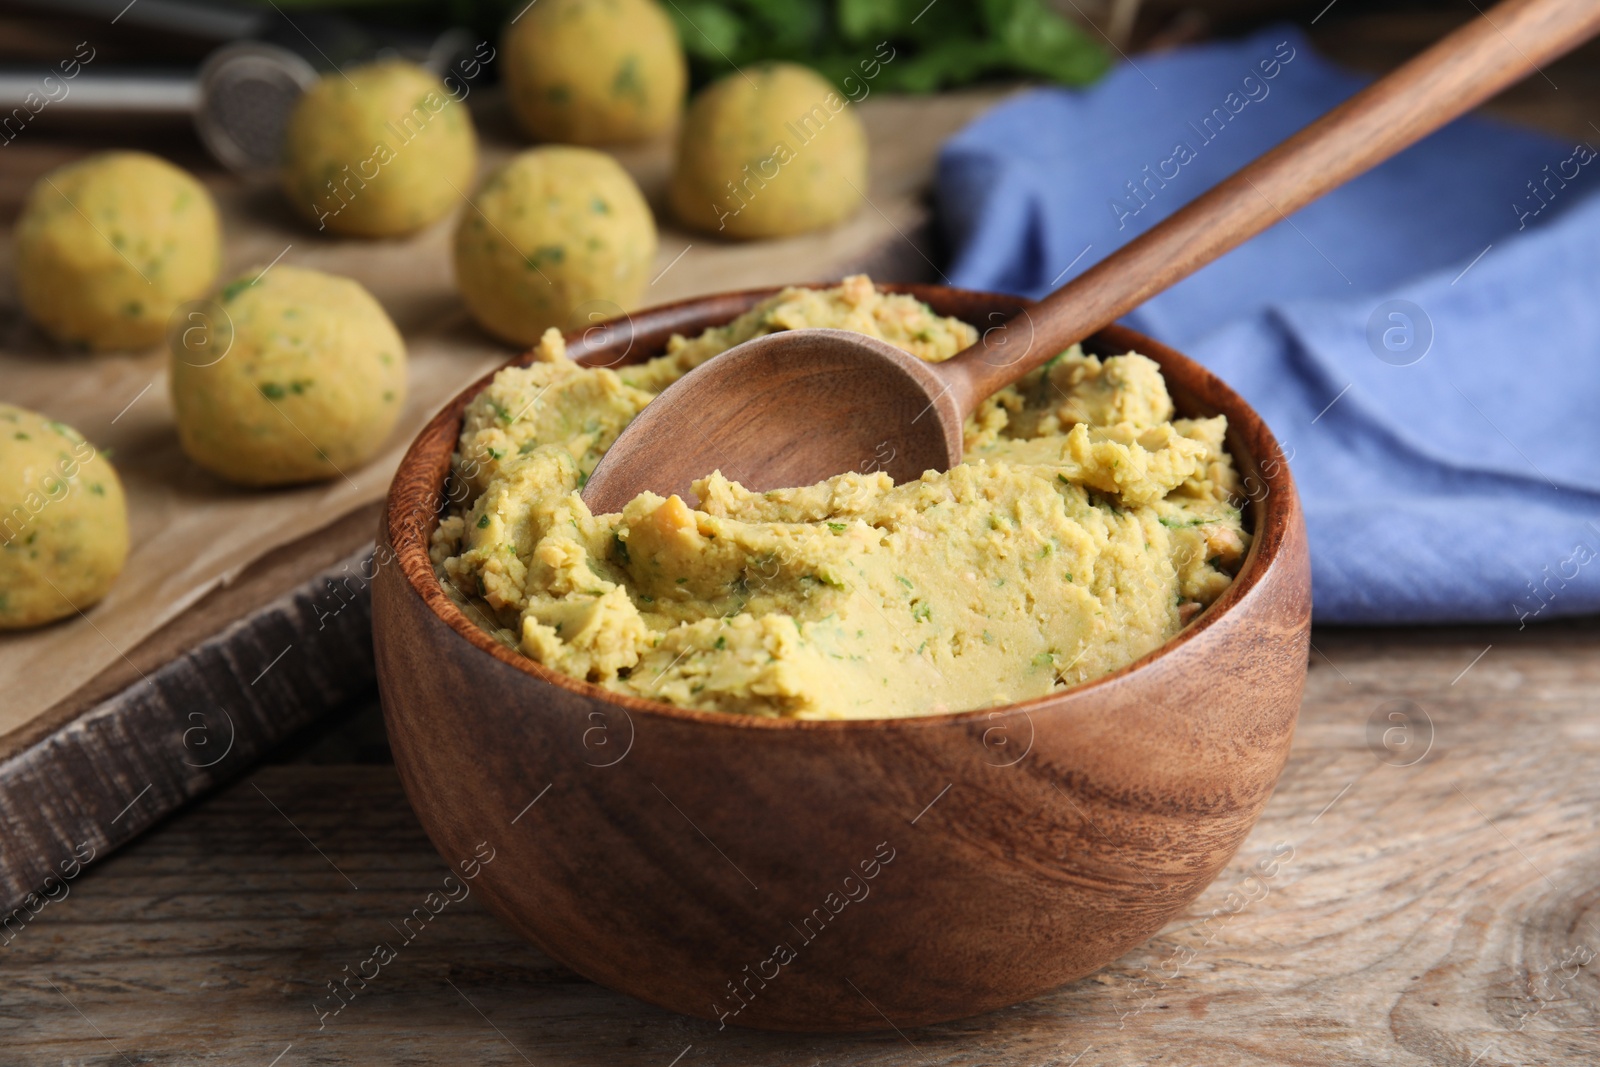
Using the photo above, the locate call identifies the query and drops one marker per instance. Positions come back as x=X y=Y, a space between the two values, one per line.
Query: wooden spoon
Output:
x=795 y=407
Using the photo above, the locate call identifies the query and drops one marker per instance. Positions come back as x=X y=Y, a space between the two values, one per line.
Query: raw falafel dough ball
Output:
x=380 y=151
x=776 y=153
x=63 y=521
x=107 y=247
x=303 y=382
x=594 y=71
x=553 y=230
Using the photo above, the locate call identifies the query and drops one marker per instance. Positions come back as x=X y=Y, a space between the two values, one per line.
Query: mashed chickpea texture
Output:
x=1085 y=528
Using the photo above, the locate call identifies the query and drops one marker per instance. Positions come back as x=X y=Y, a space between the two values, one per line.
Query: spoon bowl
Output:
x=864 y=405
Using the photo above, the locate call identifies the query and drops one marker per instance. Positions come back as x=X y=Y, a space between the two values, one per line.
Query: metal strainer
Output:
x=246 y=93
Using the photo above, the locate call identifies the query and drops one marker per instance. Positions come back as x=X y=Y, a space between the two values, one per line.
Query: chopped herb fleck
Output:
x=279 y=390
x=626 y=82
x=483 y=523
x=551 y=254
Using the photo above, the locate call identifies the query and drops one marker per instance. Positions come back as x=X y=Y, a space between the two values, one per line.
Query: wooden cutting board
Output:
x=209 y=653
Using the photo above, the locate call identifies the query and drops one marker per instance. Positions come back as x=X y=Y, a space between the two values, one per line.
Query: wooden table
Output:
x=1435 y=895
x=1443 y=912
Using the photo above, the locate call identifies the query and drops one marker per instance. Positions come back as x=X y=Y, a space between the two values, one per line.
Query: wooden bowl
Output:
x=801 y=875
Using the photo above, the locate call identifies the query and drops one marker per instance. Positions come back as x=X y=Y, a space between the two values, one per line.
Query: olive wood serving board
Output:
x=281 y=632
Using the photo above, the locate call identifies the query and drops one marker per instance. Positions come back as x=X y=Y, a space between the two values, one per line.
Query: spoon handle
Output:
x=1500 y=47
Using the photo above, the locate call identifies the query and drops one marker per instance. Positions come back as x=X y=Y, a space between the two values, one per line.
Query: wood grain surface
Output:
x=189 y=710
x=1445 y=913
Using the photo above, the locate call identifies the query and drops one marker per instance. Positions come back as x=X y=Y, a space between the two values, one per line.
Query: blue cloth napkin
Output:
x=1447 y=448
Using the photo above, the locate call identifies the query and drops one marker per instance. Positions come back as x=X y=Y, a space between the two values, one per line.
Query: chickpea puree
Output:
x=1086 y=527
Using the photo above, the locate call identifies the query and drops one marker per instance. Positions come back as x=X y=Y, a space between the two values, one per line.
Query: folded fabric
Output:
x=1425 y=341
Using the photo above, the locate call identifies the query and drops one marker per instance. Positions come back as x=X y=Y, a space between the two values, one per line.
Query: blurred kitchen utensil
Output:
x=240 y=97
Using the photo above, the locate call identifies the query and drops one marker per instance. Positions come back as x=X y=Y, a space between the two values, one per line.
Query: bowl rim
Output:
x=1275 y=512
